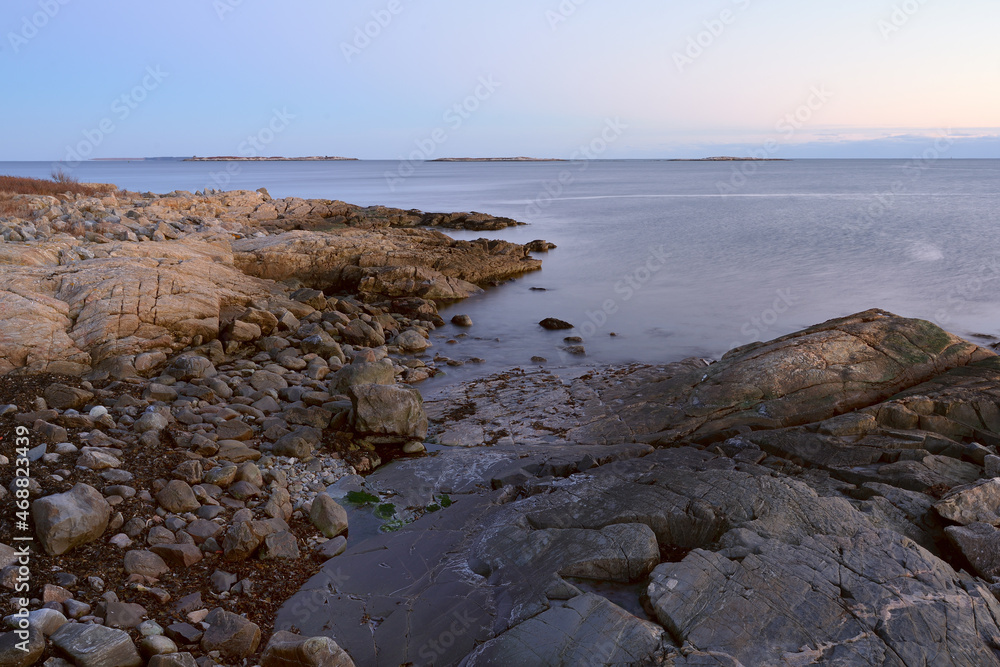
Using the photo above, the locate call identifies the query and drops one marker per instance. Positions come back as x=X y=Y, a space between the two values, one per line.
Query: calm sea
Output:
x=677 y=259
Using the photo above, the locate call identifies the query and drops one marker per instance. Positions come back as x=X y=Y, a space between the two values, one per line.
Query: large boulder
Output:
x=388 y=410
x=361 y=372
x=823 y=371
x=67 y=520
x=328 y=516
x=980 y=544
x=64 y=397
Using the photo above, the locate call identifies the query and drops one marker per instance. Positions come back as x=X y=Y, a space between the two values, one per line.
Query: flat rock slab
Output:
x=96 y=646
x=766 y=570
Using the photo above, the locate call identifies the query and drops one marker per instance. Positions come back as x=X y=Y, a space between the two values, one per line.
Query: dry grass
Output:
x=59 y=185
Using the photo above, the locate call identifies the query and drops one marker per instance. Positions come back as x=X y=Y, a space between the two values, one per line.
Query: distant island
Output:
x=498 y=159
x=231 y=158
x=727 y=158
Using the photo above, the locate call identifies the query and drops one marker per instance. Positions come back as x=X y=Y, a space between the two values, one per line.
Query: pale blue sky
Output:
x=864 y=77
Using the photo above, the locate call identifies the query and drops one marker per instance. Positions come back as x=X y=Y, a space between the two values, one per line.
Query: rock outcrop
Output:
x=87 y=295
x=797 y=511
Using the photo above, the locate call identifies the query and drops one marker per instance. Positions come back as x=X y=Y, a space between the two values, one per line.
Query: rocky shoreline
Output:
x=188 y=395
x=227 y=463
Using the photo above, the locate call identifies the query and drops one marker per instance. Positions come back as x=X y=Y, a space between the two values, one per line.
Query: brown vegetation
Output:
x=58 y=186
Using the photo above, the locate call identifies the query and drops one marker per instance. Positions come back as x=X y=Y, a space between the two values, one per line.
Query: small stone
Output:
x=160 y=535
x=188 y=604
x=76 y=609
x=414 y=447
x=992 y=464
x=462 y=321
x=146 y=563
x=221 y=476
x=51 y=593
x=190 y=472
x=184 y=633
x=240 y=542
x=150 y=422
x=235 y=451
x=46 y=621
x=243 y=490
x=411 y=341
x=201 y=530
x=334 y=547
x=178 y=555
x=150 y=628
x=234 y=429
x=173 y=660
x=233 y=636
x=97 y=459
x=63 y=397
x=156 y=645
x=554 y=324
x=121 y=540
x=222 y=581
x=123 y=614
x=262 y=380
x=177 y=496
x=160 y=392
x=299 y=443
x=249 y=472
x=12 y=648
x=280 y=545
x=189 y=367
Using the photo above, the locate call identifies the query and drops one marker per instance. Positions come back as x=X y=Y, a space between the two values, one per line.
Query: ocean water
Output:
x=676 y=259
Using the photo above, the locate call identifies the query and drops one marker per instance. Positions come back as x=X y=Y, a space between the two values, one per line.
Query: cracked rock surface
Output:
x=819 y=499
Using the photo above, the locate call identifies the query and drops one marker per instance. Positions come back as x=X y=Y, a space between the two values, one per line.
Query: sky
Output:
x=391 y=79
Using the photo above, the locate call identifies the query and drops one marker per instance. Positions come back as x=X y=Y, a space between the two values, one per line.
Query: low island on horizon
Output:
x=729 y=158
x=231 y=158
